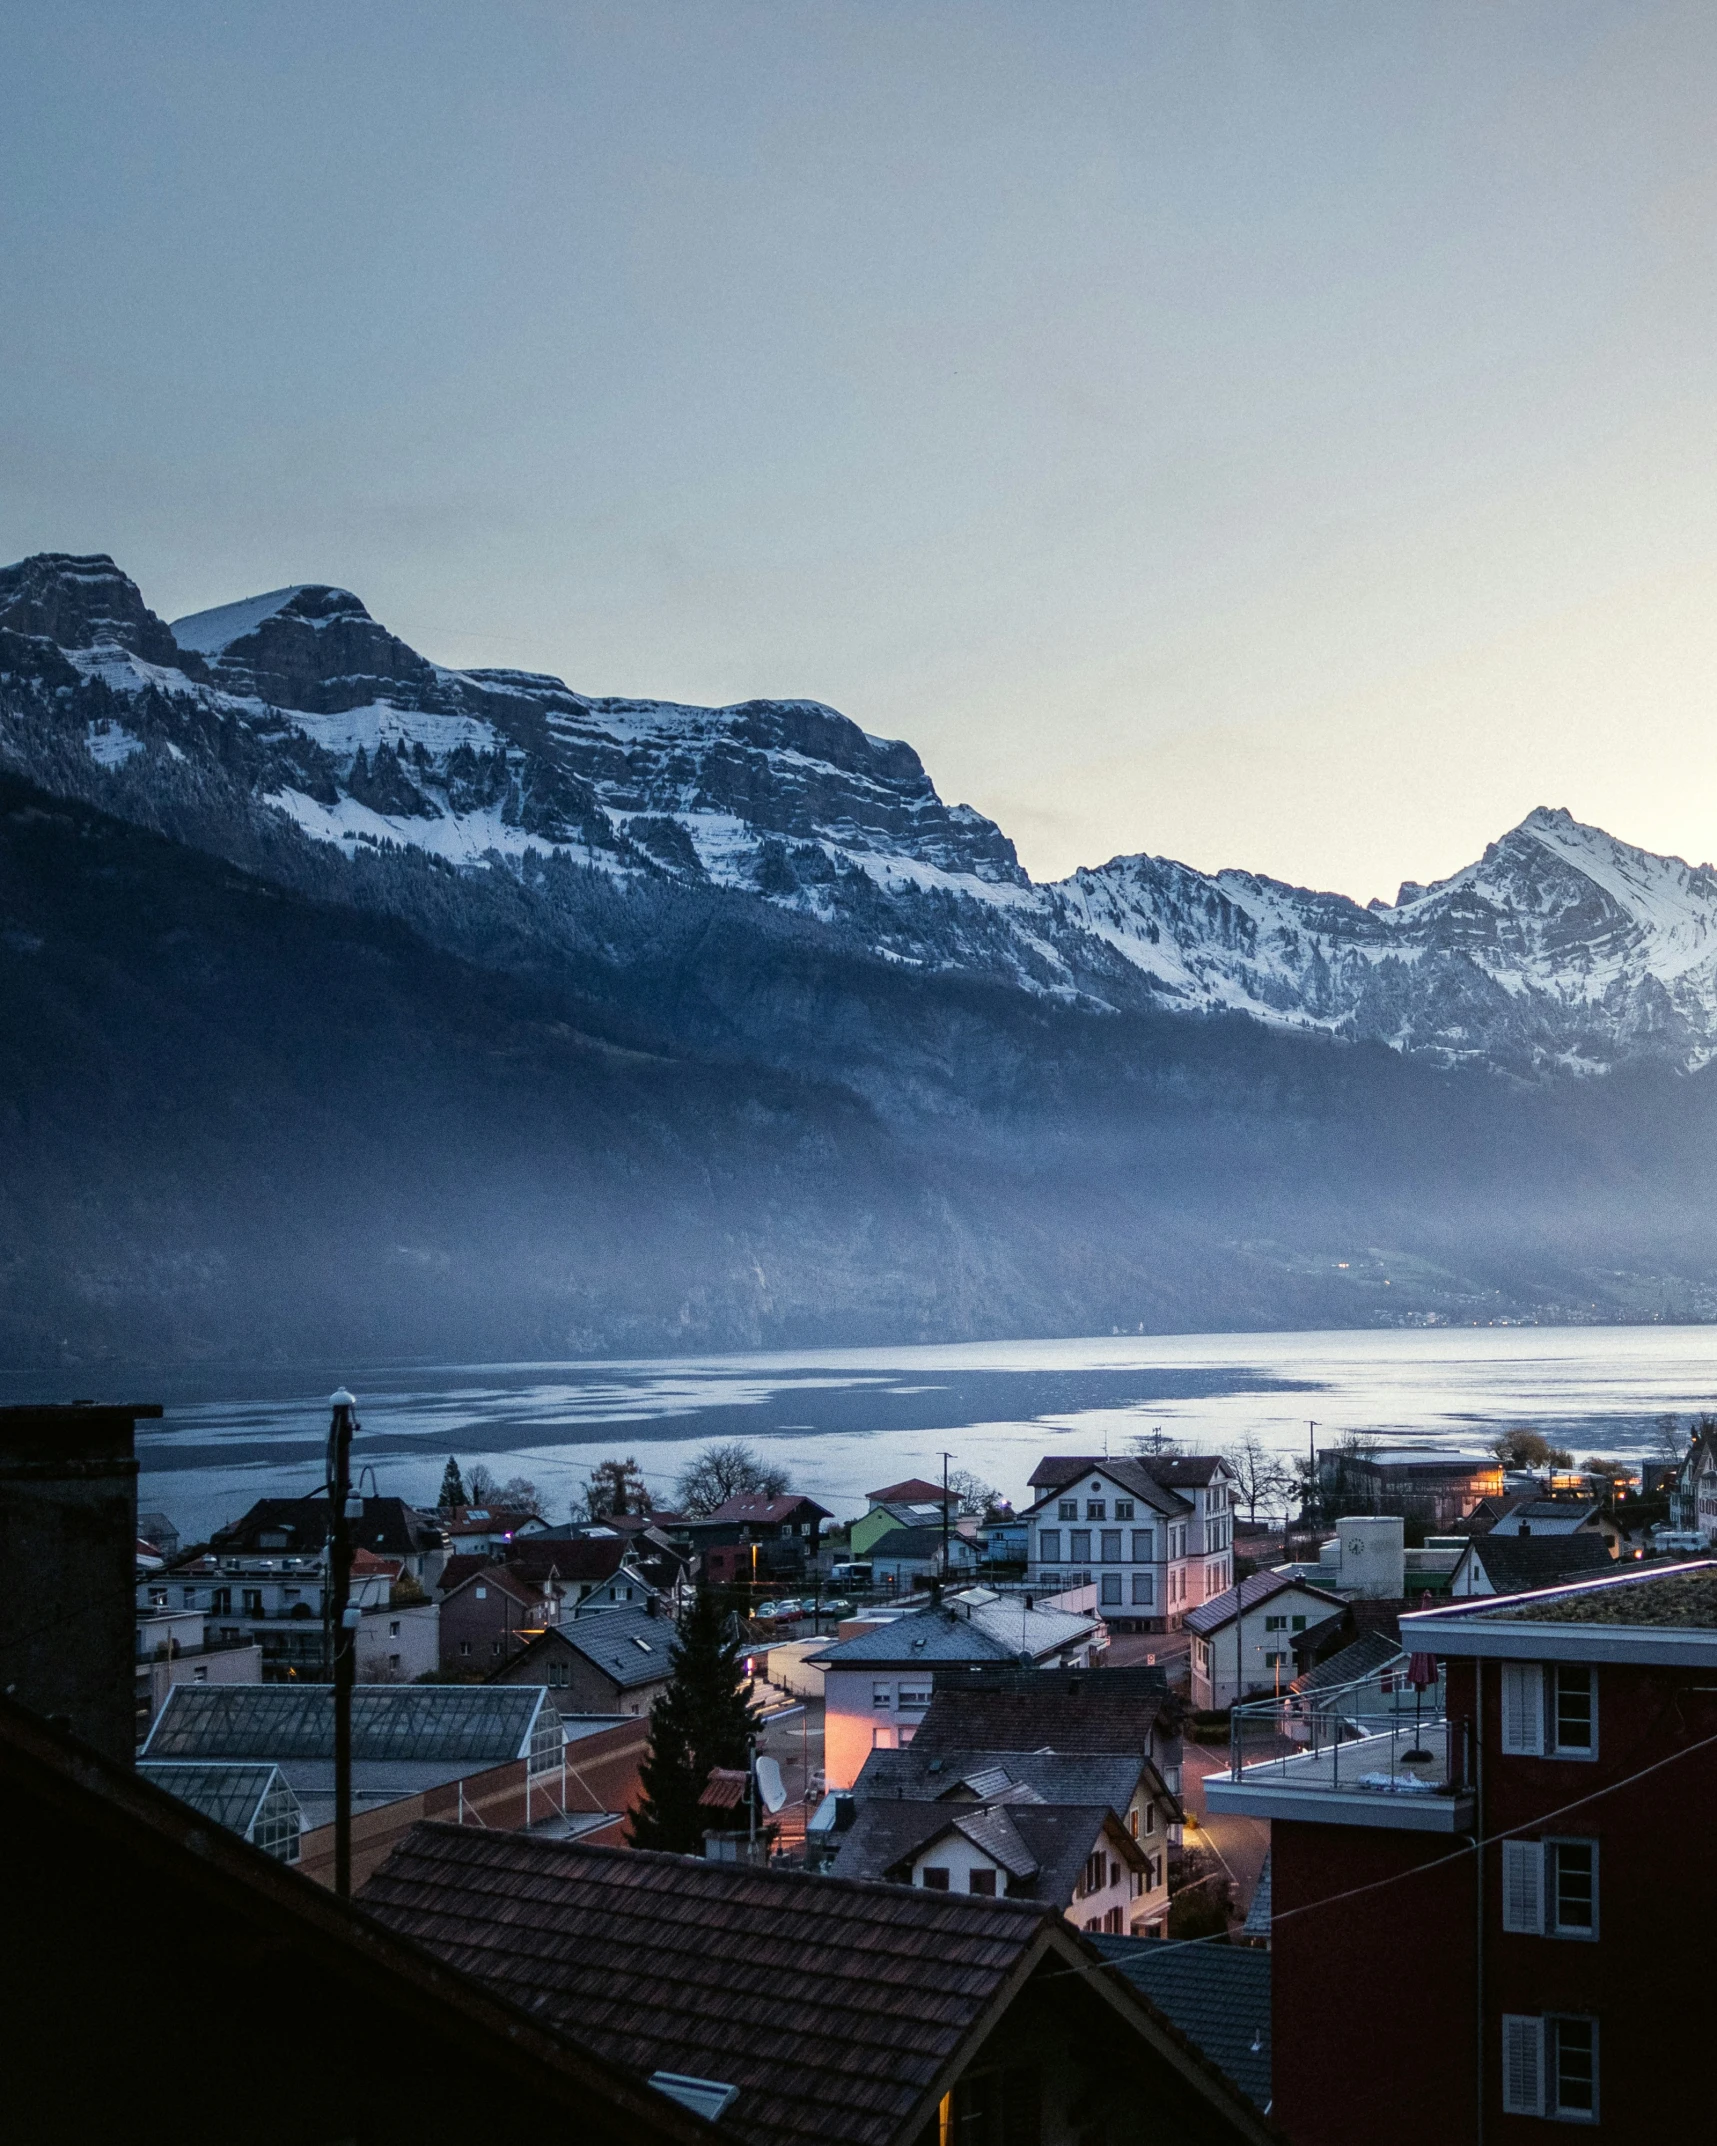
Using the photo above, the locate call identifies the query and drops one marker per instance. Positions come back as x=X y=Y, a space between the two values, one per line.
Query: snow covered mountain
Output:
x=1561 y=948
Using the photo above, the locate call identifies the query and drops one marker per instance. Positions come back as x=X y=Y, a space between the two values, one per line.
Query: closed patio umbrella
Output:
x=1421 y=1672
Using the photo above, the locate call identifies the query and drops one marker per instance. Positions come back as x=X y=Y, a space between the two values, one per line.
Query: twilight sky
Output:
x=1273 y=434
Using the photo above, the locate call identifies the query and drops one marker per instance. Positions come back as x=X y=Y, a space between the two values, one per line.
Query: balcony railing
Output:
x=1372 y=1735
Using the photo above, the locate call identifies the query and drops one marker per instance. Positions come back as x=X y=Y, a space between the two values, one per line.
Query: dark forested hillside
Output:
x=236 y=1120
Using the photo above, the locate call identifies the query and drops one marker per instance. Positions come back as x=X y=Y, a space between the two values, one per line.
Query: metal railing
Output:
x=1375 y=1733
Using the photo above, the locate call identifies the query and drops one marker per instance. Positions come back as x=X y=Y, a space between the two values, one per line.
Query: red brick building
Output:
x=1507 y=1916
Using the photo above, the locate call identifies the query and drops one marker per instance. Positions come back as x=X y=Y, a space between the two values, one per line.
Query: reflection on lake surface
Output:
x=844 y=1421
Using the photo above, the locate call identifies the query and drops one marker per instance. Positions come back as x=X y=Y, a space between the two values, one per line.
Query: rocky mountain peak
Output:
x=309 y=647
x=84 y=602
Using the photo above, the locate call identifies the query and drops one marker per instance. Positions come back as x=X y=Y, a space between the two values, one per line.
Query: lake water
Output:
x=844 y=1421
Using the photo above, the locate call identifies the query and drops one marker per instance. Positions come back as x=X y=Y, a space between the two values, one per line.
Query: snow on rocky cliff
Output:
x=1560 y=947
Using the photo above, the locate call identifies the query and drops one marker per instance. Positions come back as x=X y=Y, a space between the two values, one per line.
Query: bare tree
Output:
x=482 y=1485
x=724 y=1471
x=969 y=1493
x=1668 y=1440
x=518 y=1494
x=1260 y=1477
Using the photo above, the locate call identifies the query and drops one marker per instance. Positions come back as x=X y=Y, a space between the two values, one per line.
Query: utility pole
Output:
x=344 y=1644
x=945 y=1460
x=1312 y=1478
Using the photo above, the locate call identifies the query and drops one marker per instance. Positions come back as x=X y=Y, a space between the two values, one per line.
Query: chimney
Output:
x=68 y=1550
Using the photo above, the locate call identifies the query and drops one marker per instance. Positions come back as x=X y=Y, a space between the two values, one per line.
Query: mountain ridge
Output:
x=1560 y=950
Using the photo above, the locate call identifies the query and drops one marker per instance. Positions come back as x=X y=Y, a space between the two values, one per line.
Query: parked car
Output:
x=776 y=1612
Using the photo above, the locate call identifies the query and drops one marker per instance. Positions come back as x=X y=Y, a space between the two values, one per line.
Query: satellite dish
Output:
x=770 y=1786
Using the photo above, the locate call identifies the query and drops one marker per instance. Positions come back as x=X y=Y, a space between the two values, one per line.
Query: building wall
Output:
x=1183 y=1560
x=482 y=1626
x=1657 y=1892
x=1214 y=1674
x=1394 y=1966
x=68 y=1551
x=397 y=1646
x=220 y=1665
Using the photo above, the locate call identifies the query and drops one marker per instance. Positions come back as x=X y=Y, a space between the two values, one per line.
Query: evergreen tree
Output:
x=702 y=1720
x=452 y=1487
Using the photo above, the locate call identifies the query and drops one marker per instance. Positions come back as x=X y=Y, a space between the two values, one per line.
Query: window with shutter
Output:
x=1522 y=2064
x=1523 y=1886
x=1523 y=1709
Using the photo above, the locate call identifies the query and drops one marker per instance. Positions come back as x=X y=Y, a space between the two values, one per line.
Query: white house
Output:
x=397 y=1646
x=1242 y=1640
x=1126 y=1785
x=1079 y=1858
x=1154 y=1535
x=877 y=1685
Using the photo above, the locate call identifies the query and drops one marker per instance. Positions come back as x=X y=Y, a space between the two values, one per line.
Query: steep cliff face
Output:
x=356 y=1002
x=1561 y=949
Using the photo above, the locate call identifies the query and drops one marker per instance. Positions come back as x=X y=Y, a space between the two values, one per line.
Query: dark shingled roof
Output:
x=914 y=1491
x=840 y=2010
x=1047 y=1709
x=1141 y=1477
x=1368 y=1656
x=915 y=1776
x=1252 y=1592
x=1042 y=1846
x=629 y=1646
x=832 y=2006
x=389 y=1526
x=1515 y=1563
x=1217 y=1995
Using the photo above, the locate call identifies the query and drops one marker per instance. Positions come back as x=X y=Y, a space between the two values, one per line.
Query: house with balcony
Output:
x=270 y=1599
x=1154 y=1535
x=1572 y=1731
x=299 y=1528
x=756 y=1538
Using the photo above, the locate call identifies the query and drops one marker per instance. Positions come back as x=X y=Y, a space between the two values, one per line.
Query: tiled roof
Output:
x=769 y=1512
x=1252 y=1592
x=1217 y=1995
x=389 y=1721
x=486 y=1520
x=925 y=1776
x=916 y=1545
x=102 y=1832
x=582 y=1561
x=999 y=1631
x=1257 y=1922
x=1137 y=1476
x=1515 y=1563
x=389 y=1526
x=1042 y=1846
x=914 y=1491
x=1043 y=1709
x=833 y=2007
x=1367 y=1657
x=505 y=1579
x=628 y=1645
